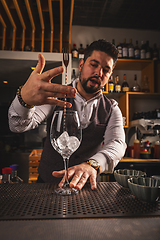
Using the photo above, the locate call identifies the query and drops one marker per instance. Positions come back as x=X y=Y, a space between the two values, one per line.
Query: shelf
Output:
x=132 y=64
x=127 y=159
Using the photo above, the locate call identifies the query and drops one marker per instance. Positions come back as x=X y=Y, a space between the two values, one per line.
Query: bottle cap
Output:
x=136 y=141
x=6 y=170
x=14 y=166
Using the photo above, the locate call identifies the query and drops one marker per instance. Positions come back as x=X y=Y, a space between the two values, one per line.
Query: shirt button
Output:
x=84 y=115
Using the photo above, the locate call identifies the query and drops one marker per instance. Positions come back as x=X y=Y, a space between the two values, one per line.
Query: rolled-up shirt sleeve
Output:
x=114 y=145
x=22 y=119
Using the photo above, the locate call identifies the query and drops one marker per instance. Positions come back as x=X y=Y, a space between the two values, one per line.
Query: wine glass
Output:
x=65 y=137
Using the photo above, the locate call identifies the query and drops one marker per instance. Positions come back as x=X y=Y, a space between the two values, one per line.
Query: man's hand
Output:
x=39 y=90
x=79 y=174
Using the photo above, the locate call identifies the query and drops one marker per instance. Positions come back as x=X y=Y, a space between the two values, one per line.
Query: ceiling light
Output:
x=5 y=81
x=33 y=68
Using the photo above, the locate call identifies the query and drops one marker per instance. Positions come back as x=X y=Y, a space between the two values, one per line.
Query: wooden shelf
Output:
x=127 y=159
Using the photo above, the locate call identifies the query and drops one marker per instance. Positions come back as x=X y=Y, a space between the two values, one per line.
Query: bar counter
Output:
x=34 y=211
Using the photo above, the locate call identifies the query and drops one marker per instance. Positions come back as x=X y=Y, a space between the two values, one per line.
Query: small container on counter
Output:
x=157 y=150
x=136 y=148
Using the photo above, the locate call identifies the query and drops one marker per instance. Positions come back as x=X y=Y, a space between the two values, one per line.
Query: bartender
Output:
x=103 y=143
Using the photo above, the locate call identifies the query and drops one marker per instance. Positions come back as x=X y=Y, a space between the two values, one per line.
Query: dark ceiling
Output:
x=135 y=14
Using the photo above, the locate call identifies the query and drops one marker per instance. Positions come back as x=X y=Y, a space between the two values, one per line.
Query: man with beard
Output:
x=103 y=143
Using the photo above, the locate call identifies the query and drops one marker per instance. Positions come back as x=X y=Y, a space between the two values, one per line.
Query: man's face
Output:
x=95 y=72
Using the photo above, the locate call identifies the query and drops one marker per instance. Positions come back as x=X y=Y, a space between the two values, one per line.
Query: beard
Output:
x=90 y=89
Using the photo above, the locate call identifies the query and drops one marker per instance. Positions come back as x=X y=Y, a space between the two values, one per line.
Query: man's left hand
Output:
x=79 y=174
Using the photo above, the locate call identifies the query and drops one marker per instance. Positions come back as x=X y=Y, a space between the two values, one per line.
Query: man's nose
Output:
x=99 y=71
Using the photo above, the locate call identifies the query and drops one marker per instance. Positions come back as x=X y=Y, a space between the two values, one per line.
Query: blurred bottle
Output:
x=136 y=87
x=143 y=51
x=14 y=177
x=81 y=49
x=145 y=84
x=155 y=52
x=148 y=51
x=6 y=175
x=137 y=51
x=117 y=86
x=74 y=52
x=124 y=49
x=1 y=178
x=125 y=85
x=157 y=150
x=113 y=41
x=111 y=85
x=119 y=47
x=130 y=49
x=136 y=148
x=73 y=77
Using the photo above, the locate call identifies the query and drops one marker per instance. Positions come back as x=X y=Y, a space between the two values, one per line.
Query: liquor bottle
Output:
x=81 y=49
x=119 y=47
x=148 y=51
x=74 y=52
x=117 y=85
x=73 y=75
x=110 y=85
x=143 y=51
x=124 y=49
x=155 y=52
x=136 y=51
x=14 y=177
x=113 y=41
x=136 y=86
x=125 y=85
x=6 y=175
x=145 y=84
x=131 y=49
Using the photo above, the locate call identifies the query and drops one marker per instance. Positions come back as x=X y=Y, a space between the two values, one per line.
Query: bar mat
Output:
x=38 y=201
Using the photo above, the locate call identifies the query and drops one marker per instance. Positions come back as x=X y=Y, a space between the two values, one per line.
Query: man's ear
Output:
x=80 y=64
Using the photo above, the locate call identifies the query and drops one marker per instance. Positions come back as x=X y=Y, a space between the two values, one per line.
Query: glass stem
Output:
x=66 y=161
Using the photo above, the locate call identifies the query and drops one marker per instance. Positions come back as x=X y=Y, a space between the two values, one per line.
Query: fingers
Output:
x=40 y=65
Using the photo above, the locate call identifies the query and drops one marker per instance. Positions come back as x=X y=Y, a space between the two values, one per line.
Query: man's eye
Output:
x=94 y=65
x=105 y=70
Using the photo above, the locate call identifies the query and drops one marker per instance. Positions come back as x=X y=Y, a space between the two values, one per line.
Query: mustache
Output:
x=95 y=77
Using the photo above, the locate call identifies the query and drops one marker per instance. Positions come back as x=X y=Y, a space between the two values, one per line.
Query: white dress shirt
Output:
x=111 y=151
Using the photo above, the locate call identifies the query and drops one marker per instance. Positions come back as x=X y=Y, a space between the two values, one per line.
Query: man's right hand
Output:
x=39 y=90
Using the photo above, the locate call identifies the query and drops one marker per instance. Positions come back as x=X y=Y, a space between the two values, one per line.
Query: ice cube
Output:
x=73 y=143
x=63 y=139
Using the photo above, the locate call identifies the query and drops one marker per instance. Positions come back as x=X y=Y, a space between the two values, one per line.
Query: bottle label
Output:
x=119 y=52
x=125 y=52
x=74 y=54
x=148 y=55
x=125 y=89
x=143 y=54
x=131 y=52
x=118 y=88
x=137 y=53
x=110 y=87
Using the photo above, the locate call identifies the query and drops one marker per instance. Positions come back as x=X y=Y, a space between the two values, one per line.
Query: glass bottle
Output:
x=119 y=47
x=136 y=87
x=117 y=85
x=14 y=177
x=143 y=51
x=136 y=148
x=73 y=75
x=110 y=85
x=74 y=52
x=131 y=49
x=1 y=179
x=157 y=150
x=148 y=51
x=155 y=52
x=125 y=85
x=137 y=51
x=124 y=49
x=6 y=175
x=145 y=84
x=81 y=49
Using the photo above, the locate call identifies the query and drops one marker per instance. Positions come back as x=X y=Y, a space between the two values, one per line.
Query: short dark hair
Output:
x=103 y=46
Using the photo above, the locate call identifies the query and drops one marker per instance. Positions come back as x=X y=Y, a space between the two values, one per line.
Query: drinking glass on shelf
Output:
x=65 y=137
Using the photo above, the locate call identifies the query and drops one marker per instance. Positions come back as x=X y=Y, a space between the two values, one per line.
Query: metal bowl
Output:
x=145 y=188
x=121 y=175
